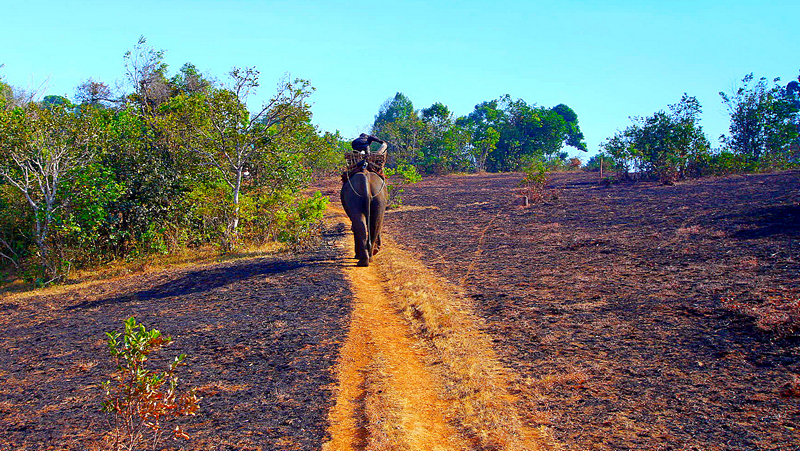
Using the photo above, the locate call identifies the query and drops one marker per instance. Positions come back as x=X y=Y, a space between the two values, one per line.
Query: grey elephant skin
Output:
x=365 y=207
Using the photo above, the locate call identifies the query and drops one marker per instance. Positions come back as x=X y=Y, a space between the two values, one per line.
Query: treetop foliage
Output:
x=498 y=135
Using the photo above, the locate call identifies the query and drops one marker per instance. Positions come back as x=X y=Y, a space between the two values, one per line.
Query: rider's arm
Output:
x=383 y=144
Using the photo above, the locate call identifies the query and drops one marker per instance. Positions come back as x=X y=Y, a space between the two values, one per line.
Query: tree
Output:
x=764 y=118
x=395 y=109
x=399 y=124
x=574 y=136
x=230 y=142
x=484 y=123
x=444 y=147
x=146 y=71
x=663 y=145
x=507 y=134
x=94 y=93
x=6 y=95
x=189 y=80
x=43 y=148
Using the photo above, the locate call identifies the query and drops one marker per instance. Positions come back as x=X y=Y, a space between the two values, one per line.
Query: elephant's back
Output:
x=358 y=182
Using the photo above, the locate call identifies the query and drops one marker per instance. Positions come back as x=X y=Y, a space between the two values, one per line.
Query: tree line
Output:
x=670 y=145
x=511 y=135
x=178 y=160
x=504 y=134
x=172 y=162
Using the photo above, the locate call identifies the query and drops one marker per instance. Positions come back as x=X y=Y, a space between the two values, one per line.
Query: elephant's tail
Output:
x=368 y=201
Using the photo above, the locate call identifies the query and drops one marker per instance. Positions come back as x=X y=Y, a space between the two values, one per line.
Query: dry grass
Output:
x=17 y=290
x=417 y=371
x=777 y=312
x=477 y=386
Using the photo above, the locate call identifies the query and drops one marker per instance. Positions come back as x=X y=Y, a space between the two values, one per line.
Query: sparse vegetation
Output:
x=397 y=178
x=535 y=181
x=141 y=402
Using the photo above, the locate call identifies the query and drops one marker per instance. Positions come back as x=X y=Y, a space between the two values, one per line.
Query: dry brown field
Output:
x=623 y=317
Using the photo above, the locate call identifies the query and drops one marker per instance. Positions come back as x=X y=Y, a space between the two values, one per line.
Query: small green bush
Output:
x=535 y=180
x=403 y=174
x=141 y=401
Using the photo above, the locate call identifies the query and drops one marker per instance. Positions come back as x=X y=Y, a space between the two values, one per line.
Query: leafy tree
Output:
x=43 y=149
x=574 y=136
x=444 y=148
x=189 y=80
x=396 y=109
x=526 y=133
x=484 y=123
x=231 y=142
x=764 y=118
x=52 y=101
x=663 y=145
x=398 y=123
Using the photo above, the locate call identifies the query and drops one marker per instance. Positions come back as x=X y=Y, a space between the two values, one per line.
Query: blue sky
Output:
x=608 y=60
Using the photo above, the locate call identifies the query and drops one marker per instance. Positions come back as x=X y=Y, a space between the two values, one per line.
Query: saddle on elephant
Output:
x=362 y=159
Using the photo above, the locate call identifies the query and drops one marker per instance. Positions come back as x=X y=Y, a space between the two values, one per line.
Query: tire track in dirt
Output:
x=395 y=387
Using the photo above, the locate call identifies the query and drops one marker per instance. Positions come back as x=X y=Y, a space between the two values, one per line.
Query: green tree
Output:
x=764 y=118
x=664 y=145
x=526 y=132
x=400 y=125
x=394 y=109
x=484 y=123
x=222 y=134
x=444 y=147
x=43 y=149
x=189 y=80
x=574 y=136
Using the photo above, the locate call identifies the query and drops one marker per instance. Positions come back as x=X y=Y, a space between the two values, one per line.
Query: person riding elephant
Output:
x=364 y=198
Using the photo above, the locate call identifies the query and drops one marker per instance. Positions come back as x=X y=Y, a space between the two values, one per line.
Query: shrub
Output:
x=534 y=181
x=142 y=401
x=299 y=223
x=661 y=146
x=593 y=165
x=404 y=174
x=727 y=162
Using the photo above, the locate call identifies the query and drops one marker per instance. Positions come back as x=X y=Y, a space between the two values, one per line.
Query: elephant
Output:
x=364 y=199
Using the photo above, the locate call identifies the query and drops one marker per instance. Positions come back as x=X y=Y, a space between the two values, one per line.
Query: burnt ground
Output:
x=615 y=302
x=262 y=336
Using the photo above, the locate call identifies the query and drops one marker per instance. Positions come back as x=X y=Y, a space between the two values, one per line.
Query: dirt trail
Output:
x=383 y=376
x=398 y=390
x=383 y=371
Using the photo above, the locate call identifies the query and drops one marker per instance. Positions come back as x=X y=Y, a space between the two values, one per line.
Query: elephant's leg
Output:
x=377 y=246
x=378 y=209
x=361 y=243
